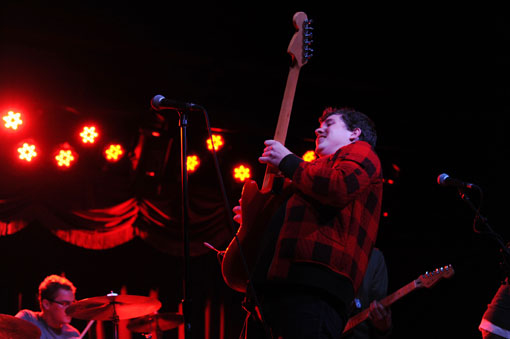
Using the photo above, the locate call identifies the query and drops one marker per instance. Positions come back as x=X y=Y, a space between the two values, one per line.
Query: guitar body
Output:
x=257 y=210
x=258 y=206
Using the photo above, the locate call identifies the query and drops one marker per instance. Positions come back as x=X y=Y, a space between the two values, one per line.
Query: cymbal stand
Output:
x=151 y=330
x=115 y=317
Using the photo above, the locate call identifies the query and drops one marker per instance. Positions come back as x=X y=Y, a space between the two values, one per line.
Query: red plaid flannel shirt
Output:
x=333 y=218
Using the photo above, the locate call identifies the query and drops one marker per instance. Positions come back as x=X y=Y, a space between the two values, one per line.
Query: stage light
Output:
x=309 y=156
x=65 y=158
x=89 y=134
x=217 y=141
x=241 y=173
x=12 y=120
x=113 y=152
x=192 y=163
x=27 y=151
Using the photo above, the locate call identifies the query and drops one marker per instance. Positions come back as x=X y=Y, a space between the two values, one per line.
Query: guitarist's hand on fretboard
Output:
x=273 y=153
x=380 y=316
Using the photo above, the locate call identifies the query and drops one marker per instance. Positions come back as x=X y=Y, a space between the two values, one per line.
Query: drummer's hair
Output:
x=51 y=284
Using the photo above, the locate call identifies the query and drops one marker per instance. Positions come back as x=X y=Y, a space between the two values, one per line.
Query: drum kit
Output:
x=139 y=310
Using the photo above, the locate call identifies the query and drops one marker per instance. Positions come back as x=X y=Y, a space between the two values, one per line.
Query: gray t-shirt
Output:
x=47 y=332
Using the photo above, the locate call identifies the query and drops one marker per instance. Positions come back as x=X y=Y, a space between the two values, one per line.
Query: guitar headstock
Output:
x=429 y=279
x=300 y=45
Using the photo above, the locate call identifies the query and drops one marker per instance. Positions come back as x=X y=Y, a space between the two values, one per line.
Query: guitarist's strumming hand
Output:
x=380 y=316
x=274 y=152
x=238 y=213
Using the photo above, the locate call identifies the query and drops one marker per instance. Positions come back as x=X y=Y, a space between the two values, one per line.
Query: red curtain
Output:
x=155 y=221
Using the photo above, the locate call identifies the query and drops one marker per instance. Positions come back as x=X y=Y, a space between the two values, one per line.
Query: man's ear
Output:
x=45 y=304
x=355 y=133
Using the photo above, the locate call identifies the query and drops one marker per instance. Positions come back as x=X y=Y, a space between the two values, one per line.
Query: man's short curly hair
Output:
x=354 y=119
x=51 y=284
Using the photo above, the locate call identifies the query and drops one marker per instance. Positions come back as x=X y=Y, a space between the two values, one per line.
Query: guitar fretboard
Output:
x=283 y=122
x=387 y=301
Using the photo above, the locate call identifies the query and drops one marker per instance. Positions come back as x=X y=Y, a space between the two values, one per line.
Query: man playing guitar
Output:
x=324 y=232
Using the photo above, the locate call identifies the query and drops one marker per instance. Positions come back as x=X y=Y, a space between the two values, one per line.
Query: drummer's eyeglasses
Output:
x=64 y=303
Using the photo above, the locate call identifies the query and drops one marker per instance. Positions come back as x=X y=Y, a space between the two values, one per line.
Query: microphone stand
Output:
x=158 y=103
x=505 y=251
x=186 y=302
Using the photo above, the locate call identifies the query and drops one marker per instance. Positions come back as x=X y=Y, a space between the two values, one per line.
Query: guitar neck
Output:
x=387 y=301
x=283 y=121
x=286 y=107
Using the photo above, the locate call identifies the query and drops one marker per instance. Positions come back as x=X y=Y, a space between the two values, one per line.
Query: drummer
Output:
x=56 y=293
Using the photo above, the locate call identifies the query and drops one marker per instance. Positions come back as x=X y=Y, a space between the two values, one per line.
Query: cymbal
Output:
x=12 y=327
x=155 y=322
x=113 y=307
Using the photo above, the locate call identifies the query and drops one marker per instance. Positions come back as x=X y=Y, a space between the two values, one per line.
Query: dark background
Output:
x=434 y=80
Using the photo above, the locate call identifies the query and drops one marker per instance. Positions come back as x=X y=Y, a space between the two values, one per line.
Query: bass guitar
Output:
x=258 y=206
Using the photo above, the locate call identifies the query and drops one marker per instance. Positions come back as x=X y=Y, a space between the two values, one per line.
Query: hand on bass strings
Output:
x=238 y=213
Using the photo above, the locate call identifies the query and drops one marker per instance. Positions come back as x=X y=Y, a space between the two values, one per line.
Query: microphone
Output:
x=159 y=103
x=445 y=180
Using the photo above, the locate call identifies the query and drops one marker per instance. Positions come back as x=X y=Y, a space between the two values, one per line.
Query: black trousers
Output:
x=296 y=315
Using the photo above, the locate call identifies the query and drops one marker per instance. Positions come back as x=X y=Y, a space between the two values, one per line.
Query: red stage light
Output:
x=113 y=152
x=192 y=163
x=309 y=156
x=65 y=158
x=217 y=141
x=27 y=151
x=12 y=120
x=241 y=173
x=89 y=134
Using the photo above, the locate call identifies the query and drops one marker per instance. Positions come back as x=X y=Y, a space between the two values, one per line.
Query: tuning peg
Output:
x=308 y=29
